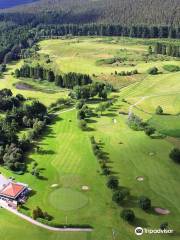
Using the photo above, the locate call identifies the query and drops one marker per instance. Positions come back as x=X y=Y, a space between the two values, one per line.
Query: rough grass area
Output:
x=101 y=55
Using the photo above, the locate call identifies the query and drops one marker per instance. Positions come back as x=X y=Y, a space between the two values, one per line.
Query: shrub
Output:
x=164 y=226
x=120 y=195
x=144 y=203
x=149 y=130
x=81 y=114
x=175 y=155
x=128 y=215
x=80 y=104
x=159 y=110
x=153 y=71
x=112 y=182
x=135 y=122
x=106 y=171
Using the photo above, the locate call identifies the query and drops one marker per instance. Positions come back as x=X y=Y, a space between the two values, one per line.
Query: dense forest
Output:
x=128 y=12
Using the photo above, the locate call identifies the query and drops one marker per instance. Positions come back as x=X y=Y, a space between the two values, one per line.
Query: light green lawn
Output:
x=166 y=124
x=80 y=54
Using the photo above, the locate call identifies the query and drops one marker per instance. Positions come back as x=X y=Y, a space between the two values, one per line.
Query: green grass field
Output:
x=66 y=158
x=82 y=54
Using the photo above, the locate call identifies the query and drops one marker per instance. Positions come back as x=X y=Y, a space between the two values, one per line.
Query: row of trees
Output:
x=68 y=80
x=108 y=30
x=167 y=49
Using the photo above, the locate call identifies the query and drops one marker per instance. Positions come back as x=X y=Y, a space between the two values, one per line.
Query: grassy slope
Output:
x=81 y=54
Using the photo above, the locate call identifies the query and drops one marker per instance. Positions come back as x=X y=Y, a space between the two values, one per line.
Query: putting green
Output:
x=67 y=199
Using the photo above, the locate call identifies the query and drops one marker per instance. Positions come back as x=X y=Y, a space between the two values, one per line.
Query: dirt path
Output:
x=135 y=104
x=32 y=221
x=146 y=97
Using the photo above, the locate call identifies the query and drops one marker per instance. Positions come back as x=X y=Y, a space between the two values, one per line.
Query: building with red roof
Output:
x=11 y=191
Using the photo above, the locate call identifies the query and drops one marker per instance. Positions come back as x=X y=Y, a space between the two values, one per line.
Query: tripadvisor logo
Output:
x=139 y=231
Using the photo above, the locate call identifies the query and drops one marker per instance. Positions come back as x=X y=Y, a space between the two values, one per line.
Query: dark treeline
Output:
x=167 y=49
x=108 y=30
x=143 y=12
x=18 y=115
x=68 y=80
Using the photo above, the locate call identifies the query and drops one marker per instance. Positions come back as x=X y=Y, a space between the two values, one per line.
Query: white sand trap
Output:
x=162 y=211
x=54 y=185
x=85 y=188
x=140 y=178
x=151 y=154
x=115 y=121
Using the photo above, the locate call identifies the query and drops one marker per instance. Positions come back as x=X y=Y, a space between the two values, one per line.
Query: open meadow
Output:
x=65 y=156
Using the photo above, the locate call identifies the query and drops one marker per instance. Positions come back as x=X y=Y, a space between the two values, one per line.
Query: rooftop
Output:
x=12 y=190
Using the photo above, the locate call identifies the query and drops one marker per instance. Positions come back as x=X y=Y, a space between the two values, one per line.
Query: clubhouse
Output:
x=13 y=193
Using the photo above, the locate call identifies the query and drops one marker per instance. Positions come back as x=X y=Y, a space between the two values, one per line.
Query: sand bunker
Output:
x=162 y=211
x=54 y=185
x=140 y=178
x=85 y=188
x=24 y=86
x=151 y=154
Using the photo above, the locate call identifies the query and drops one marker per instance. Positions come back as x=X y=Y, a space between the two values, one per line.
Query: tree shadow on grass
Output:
x=115 y=108
x=25 y=208
x=32 y=193
x=46 y=152
x=139 y=222
x=110 y=114
x=90 y=129
x=42 y=178
x=90 y=120
x=29 y=160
